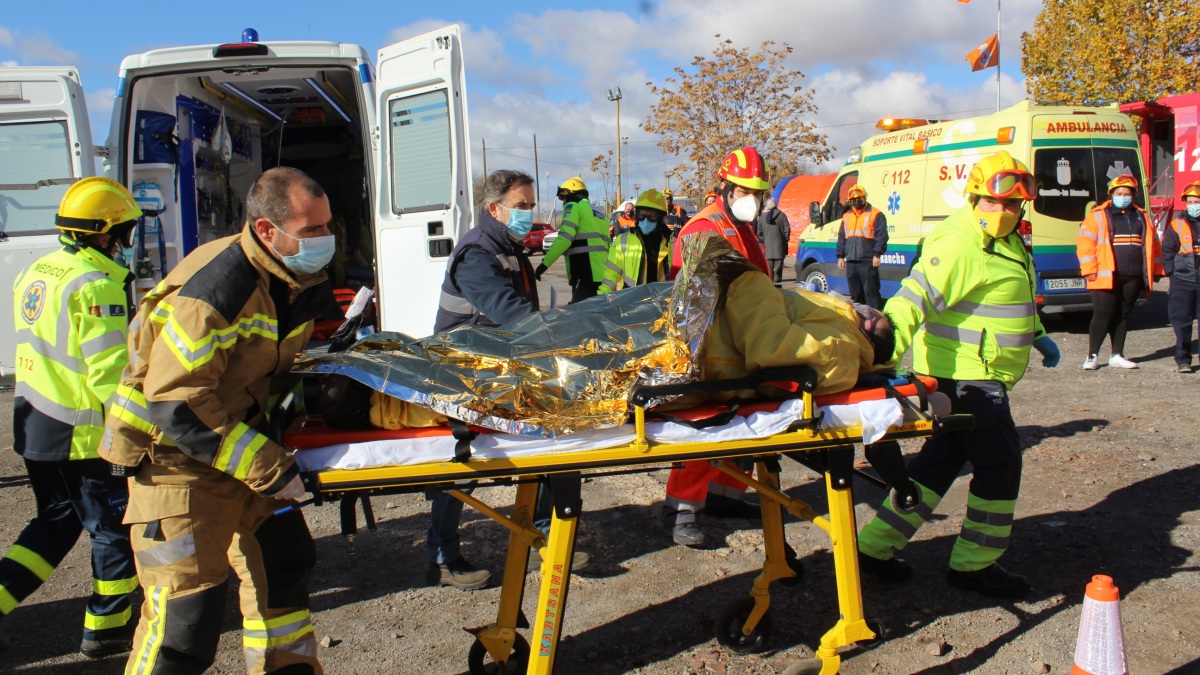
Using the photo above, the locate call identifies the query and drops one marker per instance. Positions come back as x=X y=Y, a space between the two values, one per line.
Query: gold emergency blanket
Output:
x=558 y=371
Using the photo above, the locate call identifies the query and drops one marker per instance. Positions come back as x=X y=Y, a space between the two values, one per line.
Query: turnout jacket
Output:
x=72 y=320
x=712 y=218
x=210 y=350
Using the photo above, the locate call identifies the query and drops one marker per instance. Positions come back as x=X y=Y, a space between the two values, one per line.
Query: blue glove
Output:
x=1049 y=351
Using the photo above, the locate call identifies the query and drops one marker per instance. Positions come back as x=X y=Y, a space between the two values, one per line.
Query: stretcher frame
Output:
x=744 y=625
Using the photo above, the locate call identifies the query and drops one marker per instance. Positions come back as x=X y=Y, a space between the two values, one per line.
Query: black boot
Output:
x=992 y=580
x=720 y=506
x=890 y=571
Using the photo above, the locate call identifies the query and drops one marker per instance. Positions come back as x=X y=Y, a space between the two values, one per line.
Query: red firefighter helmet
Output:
x=745 y=167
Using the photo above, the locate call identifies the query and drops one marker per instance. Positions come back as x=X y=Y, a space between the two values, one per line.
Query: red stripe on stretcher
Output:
x=312 y=432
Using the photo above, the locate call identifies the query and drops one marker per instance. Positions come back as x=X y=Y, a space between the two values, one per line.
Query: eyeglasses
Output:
x=649 y=214
x=1004 y=184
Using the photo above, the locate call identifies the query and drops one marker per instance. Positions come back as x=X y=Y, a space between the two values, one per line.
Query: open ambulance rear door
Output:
x=45 y=146
x=424 y=195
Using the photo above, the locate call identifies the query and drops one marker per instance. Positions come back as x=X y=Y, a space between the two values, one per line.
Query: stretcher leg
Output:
x=556 y=575
x=500 y=641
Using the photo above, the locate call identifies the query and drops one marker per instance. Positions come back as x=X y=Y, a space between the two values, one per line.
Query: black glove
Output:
x=541 y=269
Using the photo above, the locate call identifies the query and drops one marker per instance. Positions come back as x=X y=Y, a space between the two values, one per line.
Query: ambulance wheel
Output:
x=479 y=662
x=729 y=628
x=815 y=274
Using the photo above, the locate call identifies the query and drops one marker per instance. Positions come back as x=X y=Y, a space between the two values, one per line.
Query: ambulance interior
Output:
x=201 y=138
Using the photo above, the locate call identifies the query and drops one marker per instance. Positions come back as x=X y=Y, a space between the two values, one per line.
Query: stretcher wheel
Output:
x=729 y=628
x=797 y=567
x=881 y=634
x=901 y=507
x=479 y=662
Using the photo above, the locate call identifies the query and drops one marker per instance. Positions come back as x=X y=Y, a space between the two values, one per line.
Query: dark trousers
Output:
x=582 y=289
x=1183 y=308
x=863 y=279
x=72 y=496
x=776 y=265
x=1110 y=312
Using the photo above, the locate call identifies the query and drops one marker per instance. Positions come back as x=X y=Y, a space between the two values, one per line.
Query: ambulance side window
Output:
x=419 y=130
x=32 y=152
x=837 y=198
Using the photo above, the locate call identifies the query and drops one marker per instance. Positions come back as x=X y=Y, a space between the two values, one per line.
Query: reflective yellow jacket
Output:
x=210 y=349
x=583 y=236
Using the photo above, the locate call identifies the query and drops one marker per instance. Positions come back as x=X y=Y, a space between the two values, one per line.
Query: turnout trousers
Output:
x=73 y=496
x=994 y=451
x=689 y=485
x=189 y=524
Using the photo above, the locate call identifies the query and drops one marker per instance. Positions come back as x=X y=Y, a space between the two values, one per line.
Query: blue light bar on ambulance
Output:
x=250 y=100
x=312 y=83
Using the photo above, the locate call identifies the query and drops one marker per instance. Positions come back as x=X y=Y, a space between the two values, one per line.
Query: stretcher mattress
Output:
x=322 y=449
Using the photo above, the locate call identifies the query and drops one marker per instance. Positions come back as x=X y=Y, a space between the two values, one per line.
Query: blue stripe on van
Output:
x=120 y=87
x=364 y=73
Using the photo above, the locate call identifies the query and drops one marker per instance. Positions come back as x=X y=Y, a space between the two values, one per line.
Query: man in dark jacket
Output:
x=862 y=240
x=1180 y=256
x=774 y=230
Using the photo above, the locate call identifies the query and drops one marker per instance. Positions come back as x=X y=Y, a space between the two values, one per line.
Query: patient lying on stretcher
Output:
x=753 y=325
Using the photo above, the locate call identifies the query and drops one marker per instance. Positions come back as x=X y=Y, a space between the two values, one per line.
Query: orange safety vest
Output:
x=1186 y=245
x=860 y=225
x=1093 y=246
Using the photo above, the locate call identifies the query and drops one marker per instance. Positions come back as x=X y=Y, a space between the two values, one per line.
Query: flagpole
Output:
x=998 y=53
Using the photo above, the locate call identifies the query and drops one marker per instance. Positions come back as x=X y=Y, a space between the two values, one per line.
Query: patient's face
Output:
x=879 y=330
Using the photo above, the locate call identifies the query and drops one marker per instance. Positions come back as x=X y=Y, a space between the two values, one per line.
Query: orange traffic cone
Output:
x=1101 y=646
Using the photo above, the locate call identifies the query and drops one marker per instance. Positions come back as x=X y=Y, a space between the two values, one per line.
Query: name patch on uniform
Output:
x=107 y=310
x=33 y=300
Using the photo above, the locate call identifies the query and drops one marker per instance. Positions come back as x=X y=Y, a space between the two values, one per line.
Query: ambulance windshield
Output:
x=34 y=175
x=1072 y=180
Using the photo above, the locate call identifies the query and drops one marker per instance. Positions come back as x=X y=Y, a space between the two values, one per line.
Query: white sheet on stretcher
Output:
x=875 y=417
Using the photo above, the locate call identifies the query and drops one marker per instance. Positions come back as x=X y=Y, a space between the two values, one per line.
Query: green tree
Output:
x=735 y=97
x=1097 y=52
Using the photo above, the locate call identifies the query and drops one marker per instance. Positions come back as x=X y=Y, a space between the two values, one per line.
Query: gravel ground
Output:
x=1111 y=485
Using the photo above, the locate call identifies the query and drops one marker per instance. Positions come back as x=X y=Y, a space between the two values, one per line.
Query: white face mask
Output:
x=744 y=209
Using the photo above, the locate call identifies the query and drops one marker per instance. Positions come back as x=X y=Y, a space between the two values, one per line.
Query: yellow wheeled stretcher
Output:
x=744 y=626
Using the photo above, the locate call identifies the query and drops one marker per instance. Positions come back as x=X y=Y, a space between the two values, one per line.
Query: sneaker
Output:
x=98 y=649
x=687 y=534
x=720 y=506
x=457 y=573
x=579 y=561
x=1090 y=363
x=992 y=580
x=890 y=571
x=1185 y=367
x=1118 y=361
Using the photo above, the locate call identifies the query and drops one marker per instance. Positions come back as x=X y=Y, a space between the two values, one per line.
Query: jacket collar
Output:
x=94 y=258
x=269 y=266
x=492 y=227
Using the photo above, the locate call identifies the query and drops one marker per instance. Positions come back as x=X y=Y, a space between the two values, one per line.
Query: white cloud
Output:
x=487 y=62
x=6 y=38
x=8 y=64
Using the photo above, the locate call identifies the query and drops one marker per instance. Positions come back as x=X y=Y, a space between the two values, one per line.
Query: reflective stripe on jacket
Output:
x=1180 y=250
x=210 y=346
x=584 y=238
x=968 y=306
x=72 y=321
x=1093 y=246
x=862 y=235
x=513 y=281
x=627 y=266
x=712 y=218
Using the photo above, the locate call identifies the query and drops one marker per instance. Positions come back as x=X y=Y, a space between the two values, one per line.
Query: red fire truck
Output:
x=1171 y=149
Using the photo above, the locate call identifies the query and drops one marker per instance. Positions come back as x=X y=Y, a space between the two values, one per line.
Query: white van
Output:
x=192 y=127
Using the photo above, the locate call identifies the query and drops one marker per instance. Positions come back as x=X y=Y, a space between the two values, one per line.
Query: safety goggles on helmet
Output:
x=1005 y=184
x=1124 y=180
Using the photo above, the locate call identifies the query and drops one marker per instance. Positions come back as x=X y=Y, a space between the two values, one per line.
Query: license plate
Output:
x=1065 y=284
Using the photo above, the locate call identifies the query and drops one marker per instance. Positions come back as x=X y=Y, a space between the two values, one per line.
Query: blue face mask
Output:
x=124 y=256
x=315 y=253
x=1193 y=210
x=520 y=223
x=1122 y=201
x=646 y=225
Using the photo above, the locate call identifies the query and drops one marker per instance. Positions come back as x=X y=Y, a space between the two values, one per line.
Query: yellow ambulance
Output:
x=915 y=174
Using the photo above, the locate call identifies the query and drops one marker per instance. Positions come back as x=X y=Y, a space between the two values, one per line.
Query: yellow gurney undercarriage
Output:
x=744 y=625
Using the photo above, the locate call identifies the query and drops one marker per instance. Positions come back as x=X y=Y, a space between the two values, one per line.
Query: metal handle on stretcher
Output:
x=803 y=376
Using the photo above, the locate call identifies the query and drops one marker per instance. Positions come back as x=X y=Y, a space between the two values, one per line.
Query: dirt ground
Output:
x=1111 y=485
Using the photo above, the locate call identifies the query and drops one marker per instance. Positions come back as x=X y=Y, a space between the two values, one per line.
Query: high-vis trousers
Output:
x=994 y=451
x=689 y=485
x=190 y=523
x=74 y=495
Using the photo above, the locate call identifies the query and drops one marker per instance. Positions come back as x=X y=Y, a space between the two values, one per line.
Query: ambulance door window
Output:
x=837 y=200
x=1112 y=162
x=34 y=175
x=1066 y=182
x=422 y=178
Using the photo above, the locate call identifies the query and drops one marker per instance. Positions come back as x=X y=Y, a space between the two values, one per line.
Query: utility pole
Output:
x=615 y=96
x=537 y=189
x=998 y=54
x=485 y=159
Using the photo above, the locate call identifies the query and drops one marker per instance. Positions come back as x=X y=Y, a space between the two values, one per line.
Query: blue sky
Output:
x=542 y=67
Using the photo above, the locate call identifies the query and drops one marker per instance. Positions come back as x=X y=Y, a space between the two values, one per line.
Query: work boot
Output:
x=457 y=573
x=720 y=506
x=579 y=561
x=890 y=571
x=98 y=649
x=687 y=534
x=992 y=580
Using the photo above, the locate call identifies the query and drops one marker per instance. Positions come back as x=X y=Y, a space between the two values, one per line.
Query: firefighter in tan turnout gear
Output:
x=210 y=350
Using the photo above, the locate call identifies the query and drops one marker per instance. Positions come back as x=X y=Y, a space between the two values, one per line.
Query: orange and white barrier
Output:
x=1101 y=646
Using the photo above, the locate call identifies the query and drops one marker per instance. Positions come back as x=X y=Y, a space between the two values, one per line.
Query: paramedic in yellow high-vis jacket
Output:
x=968 y=311
x=641 y=254
x=210 y=350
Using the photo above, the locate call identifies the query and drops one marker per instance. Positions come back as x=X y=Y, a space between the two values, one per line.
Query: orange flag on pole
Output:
x=986 y=55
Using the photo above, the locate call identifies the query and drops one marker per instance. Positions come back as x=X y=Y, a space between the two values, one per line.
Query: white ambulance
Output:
x=917 y=171
x=192 y=127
